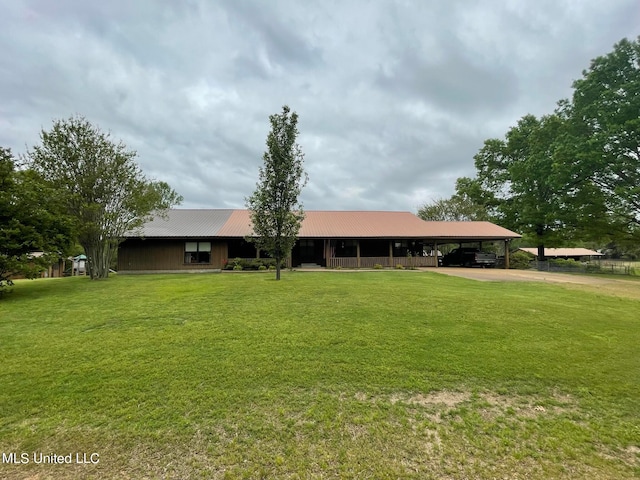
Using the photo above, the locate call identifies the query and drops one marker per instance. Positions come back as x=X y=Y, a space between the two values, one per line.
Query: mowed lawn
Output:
x=382 y=374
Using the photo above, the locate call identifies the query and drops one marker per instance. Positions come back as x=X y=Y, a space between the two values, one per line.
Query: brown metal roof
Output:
x=461 y=231
x=564 y=252
x=324 y=224
x=353 y=224
x=238 y=225
x=381 y=224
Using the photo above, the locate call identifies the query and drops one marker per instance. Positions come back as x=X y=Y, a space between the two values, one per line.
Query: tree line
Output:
x=572 y=175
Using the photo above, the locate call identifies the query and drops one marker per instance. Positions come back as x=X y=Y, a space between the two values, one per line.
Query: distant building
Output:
x=565 y=253
x=79 y=265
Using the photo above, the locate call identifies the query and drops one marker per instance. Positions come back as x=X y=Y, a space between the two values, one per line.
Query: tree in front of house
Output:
x=31 y=220
x=276 y=213
x=102 y=187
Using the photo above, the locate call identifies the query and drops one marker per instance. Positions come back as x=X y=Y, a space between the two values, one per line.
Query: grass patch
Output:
x=321 y=375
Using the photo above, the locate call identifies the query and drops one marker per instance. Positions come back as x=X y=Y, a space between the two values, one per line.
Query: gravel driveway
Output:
x=625 y=286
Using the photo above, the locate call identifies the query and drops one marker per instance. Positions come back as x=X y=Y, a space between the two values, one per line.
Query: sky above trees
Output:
x=394 y=98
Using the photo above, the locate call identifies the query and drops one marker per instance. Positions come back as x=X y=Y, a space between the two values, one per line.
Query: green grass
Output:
x=390 y=374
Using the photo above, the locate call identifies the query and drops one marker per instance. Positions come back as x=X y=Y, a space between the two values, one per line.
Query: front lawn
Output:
x=390 y=374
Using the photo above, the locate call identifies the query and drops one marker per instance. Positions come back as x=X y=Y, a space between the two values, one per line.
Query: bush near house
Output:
x=565 y=262
x=252 y=264
x=520 y=260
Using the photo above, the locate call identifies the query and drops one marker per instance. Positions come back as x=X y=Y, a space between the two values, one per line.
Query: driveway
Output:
x=624 y=286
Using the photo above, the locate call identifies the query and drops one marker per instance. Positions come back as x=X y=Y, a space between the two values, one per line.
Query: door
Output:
x=307 y=251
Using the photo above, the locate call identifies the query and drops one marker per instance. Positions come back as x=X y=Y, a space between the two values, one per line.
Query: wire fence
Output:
x=598 y=266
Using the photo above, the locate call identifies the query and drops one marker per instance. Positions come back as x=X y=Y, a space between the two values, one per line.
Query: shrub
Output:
x=561 y=262
x=520 y=260
x=251 y=264
x=399 y=267
x=254 y=264
x=377 y=266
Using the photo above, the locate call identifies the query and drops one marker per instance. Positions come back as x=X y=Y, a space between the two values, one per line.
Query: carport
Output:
x=446 y=233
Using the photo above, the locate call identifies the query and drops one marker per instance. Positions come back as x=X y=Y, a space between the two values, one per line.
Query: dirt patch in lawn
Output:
x=629 y=288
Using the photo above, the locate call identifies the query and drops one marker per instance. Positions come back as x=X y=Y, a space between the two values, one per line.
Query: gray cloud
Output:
x=394 y=98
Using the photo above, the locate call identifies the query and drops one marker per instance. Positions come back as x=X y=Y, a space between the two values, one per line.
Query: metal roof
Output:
x=184 y=223
x=564 y=252
x=321 y=224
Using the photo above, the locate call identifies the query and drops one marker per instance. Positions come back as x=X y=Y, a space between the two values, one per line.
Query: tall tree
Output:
x=605 y=136
x=104 y=189
x=521 y=174
x=276 y=213
x=574 y=174
x=31 y=220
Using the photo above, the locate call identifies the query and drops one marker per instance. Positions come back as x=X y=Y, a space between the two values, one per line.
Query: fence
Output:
x=568 y=266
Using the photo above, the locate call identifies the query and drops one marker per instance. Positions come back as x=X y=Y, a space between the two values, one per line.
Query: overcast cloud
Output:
x=394 y=97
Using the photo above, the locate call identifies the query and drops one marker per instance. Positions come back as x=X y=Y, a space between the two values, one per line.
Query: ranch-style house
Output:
x=206 y=239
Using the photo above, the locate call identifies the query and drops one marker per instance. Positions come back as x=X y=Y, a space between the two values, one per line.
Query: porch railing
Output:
x=368 y=262
x=371 y=262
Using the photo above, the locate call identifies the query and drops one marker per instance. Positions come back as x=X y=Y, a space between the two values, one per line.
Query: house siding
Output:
x=165 y=254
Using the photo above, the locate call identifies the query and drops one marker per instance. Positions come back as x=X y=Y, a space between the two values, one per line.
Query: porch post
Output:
x=391 y=253
x=358 y=253
x=506 y=253
x=435 y=251
x=327 y=252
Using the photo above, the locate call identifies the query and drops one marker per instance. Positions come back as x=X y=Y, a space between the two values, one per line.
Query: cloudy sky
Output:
x=394 y=97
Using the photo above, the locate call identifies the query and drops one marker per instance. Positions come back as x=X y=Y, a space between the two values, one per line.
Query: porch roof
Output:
x=211 y=223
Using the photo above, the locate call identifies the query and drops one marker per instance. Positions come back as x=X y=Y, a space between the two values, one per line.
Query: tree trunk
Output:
x=278 y=268
x=541 y=253
x=98 y=260
x=88 y=263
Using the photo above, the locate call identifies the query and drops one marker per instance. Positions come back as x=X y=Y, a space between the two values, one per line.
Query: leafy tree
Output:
x=463 y=206
x=275 y=211
x=605 y=137
x=574 y=174
x=520 y=175
x=31 y=220
x=103 y=188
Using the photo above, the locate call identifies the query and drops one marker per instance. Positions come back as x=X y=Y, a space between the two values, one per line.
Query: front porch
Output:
x=368 y=253
x=345 y=253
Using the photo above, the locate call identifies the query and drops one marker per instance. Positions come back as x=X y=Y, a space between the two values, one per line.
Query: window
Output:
x=240 y=248
x=403 y=248
x=346 y=248
x=374 y=248
x=197 y=252
x=400 y=248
